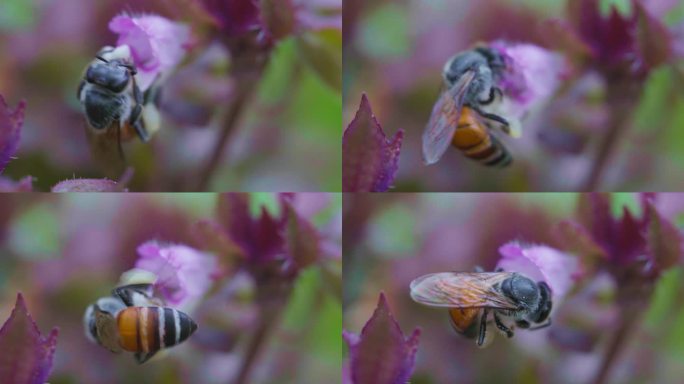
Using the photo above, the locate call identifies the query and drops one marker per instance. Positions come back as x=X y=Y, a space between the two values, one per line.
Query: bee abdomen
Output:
x=478 y=144
x=149 y=329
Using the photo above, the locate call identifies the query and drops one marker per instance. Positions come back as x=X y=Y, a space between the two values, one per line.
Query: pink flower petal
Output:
x=532 y=76
x=184 y=274
x=541 y=263
x=157 y=44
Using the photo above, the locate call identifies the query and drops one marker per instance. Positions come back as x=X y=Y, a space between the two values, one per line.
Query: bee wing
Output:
x=106 y=150
x=107 y=330
x=461 y=290
x=444 y=119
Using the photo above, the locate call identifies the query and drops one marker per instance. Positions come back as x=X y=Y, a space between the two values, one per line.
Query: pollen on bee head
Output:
x=137 y=276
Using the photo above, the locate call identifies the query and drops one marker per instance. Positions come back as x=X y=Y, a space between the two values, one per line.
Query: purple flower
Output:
x=541 y=263
x=184 y=274
x=531 y=77
x=157 y=44
x=369 y=160
x=649 y=243
x=11 y=122
x=623 y=45
x=235 y=18
x=26 y=356
x=381 y=354
x=88 y=185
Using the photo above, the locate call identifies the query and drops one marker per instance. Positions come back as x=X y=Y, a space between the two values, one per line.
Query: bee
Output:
x=115 y=109
x=133 y=320
x=471 y=296
x=467 y=110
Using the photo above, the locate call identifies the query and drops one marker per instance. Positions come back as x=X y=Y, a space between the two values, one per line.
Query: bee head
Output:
x=112 y=75
x=523 y=291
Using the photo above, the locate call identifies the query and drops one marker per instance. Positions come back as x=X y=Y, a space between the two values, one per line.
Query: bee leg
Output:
x=493 y=92
x=127 y=292
x=494 y=117
x=483 y=327
x=141 y=357
x=502 y=327
x=135 y=119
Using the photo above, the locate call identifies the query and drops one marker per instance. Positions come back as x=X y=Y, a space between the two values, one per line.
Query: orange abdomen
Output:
x=474 y=140
x=149 y=329
x=138 y=329
x=462 y=319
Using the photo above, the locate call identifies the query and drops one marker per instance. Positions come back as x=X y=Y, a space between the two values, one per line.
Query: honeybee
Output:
x=467 y=110
x=115 y=108
x=133 y=320
x=471 y=296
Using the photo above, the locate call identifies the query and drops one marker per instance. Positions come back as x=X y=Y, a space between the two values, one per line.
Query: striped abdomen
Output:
x=149 y=329
x=474 y=140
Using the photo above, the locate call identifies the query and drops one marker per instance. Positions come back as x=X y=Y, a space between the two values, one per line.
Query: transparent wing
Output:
x=461 y=290
x=444 y=119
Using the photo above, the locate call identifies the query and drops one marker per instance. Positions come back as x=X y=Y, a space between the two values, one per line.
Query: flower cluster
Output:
x=183 y=274
x=157 y=45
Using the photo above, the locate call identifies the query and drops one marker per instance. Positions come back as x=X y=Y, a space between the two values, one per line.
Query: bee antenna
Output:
x=101 y=59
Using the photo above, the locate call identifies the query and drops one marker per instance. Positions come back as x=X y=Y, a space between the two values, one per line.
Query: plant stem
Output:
x=622 y=100
x=229 y=125
x=629 y=317
x=249 y=59
x=268 y=319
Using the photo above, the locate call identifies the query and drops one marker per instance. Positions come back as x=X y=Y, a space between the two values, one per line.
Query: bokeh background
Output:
x=394 y=51
x=63 y=252
x=295 y=115
x=391 y=239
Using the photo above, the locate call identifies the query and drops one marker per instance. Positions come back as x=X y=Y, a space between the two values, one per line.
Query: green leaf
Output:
x=322 y=51
x=664 y=239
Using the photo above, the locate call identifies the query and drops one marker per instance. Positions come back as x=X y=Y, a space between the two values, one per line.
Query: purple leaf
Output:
x=88 y=185
x=381 y=354
x=26 y=356
x=579 y=241
x=11 y=122
x=235 y=17
x=628 y=241
x=214 y=238
x=261 y=239
x=369 y=160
